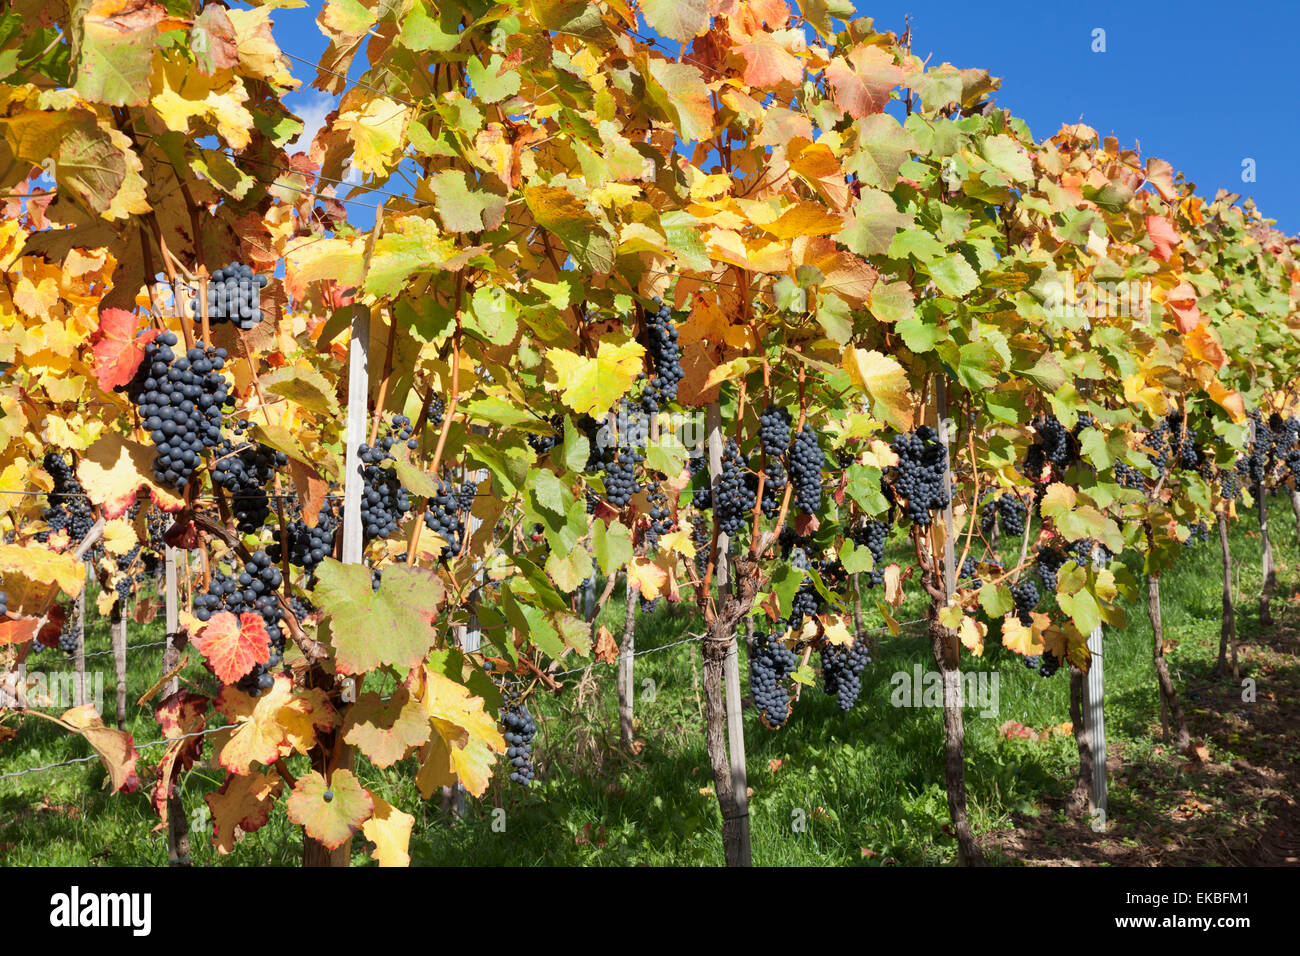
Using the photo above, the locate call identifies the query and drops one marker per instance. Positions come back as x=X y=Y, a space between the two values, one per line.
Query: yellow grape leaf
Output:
x=882 y=379
x=311 y=259
x=107 y=598
x=972 y=633
x=114 y=469
x=37 y=563
x=386 y=731
x=330 y=812
x=309 y=711
x=466 y=739
x=182 y=93
x=678 y=542
x=115 y=747
x=243 y=802
x=258 y=54
x=377 y=131
x=1026 y=640
x=258 y=735
x=728 y=371
x=36 y=299
x=805 y=219
x=647 y=577
x=590 y=385
x=837 y=631
x=119 y=536
x=389 y=829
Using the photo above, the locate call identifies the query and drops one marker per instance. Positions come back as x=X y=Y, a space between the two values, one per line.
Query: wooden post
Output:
x=626 y=687
x=1228 y=626
x=79 y=655
x=117 y=619
x=314 y=853
x=1266 y=557
x=178 y=832
x=726 y=752
x=79 y=659
x=947 y=656
x=1094 y=698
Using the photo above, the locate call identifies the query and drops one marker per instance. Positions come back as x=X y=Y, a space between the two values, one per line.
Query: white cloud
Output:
x=312 y=112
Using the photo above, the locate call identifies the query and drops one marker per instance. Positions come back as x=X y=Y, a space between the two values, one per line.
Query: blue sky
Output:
x=1203 y=85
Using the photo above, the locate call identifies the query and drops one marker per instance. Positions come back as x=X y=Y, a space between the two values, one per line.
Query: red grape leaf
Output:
x=1163 y=235
x=181 y=714
x=331 y=821
x=243 y=802
x=118 y=350
x=233 y=645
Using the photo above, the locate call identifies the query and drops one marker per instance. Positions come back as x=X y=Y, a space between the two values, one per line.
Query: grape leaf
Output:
x=370 y=629
x=113 y=470
x=386 y=731
x=244 y=802
x=592 y=385
x=334 y=820
x=234 y=645
x=117 y=350
x=389 y=829
x=116 y=748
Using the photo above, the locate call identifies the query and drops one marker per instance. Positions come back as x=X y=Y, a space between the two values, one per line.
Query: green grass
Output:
x=831 y=788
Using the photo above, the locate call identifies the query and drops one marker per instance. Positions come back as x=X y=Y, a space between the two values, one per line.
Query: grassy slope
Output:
x=864 y=787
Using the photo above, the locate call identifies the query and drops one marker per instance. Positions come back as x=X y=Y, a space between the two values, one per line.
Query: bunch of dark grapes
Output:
x=1129 y=477
x=301 y=607
x=773 y=488
x=770 y=663
x=661 y=517
x=519 y=732
x=384 y=502
x=1051 y=444
x=1182 y=446
x=872 y=536
x=806 y=603
x=234 y=295
x=308 y=546
x=445 y=516
x=1049 y=665
x=1085 y=420
x=1049 y=563
x=180 y=399
x=1025 y=595
x=253 y=589
x=648 y=605
x=1254 y=464
x=67 y=507
x=620 y=477
x=69 y=636
x=665 y=358
x=4 y=603
x=842 y=667
x=245 y=472
x=737 y=490
x=1199 y=532
x=921 y=476
x=542 y=443
x=774 y=430
x=1157 y=446
x=806 y=463
x=1084 y=549
x=1008 y=511
x=702 y=491
x=124 y=580
x=970 y=568
x=702 y=538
